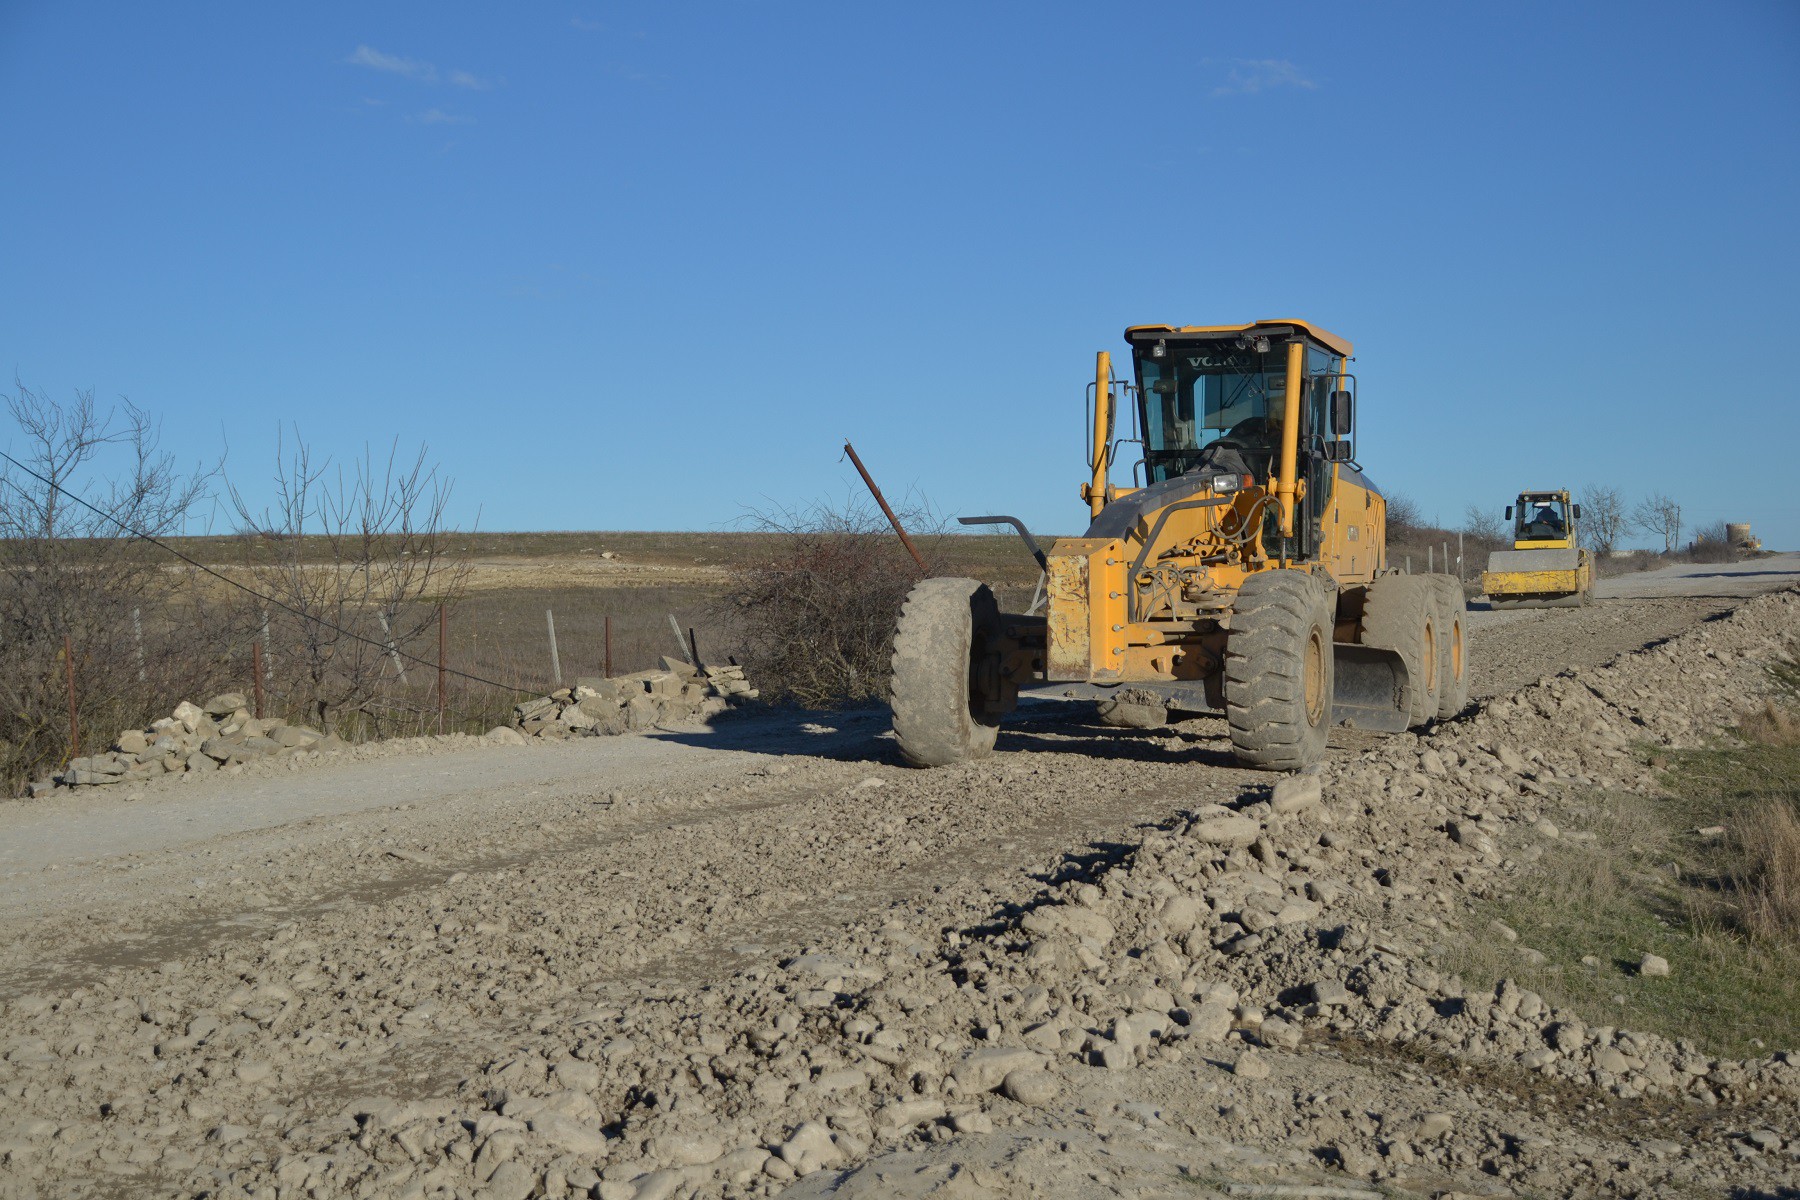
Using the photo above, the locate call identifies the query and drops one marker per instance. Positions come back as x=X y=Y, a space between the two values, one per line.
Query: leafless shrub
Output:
x=345 y=622
x=816 y=616
x=1711 y=545
x=68 y=571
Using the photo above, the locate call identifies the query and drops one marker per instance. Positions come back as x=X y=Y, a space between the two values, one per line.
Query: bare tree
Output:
x=1403 y=517
x=1603 y=518
x=1661 y=516
x=1484 y=527
x=72 y=571
x=357 y=564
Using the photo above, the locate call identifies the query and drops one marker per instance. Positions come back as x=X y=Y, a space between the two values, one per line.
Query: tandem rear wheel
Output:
x=1279 y=677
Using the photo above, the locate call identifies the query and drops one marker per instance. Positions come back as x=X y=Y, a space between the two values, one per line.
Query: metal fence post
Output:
x=443 y=654
x=256 y=670
x=555 y=659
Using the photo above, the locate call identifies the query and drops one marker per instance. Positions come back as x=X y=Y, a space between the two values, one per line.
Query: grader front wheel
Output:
x=943 y=673
x=1279 y=671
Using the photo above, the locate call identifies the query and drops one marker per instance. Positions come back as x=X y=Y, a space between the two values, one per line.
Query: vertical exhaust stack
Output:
x=1286 y=488
x=1102 y=450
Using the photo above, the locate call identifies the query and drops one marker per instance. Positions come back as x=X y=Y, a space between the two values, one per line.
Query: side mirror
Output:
x=1342 y=413
x=1509 y=512
x=1578 y=512
x=1338 y=451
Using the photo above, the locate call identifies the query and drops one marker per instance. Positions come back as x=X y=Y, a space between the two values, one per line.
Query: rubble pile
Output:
x=675 y=693
x=218 y=735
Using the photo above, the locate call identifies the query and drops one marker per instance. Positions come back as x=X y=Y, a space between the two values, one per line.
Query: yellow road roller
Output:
x=1546 y=567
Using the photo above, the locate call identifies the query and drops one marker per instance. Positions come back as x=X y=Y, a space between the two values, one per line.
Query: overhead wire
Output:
x=387 y=647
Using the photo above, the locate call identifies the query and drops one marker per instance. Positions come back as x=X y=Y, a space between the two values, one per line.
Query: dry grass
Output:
x=1771 y=725
x=1768 y=883
x=1634 y=879
x=1707 y=875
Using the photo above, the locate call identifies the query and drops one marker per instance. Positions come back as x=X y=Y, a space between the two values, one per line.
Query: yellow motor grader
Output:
x=1244 y=571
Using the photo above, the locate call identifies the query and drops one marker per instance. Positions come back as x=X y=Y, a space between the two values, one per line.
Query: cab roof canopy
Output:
x=1271 y=329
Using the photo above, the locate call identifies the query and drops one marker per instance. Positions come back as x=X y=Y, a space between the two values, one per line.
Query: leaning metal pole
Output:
x=888 y=512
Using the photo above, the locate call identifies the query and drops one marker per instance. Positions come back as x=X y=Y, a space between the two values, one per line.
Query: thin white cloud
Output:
x=474 y=83
x=1248 y=76
x=375 y=60
x=586 y=26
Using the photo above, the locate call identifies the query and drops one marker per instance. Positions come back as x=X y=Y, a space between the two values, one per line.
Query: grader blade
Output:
x=1371 y=689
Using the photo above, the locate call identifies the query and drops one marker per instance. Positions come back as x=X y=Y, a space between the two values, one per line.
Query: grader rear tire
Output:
x=1400 y=614
x=1278 y=671
x=1452 y=648
x=945 y=627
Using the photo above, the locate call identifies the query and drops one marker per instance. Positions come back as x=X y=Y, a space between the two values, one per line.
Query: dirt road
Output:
x=464 y=969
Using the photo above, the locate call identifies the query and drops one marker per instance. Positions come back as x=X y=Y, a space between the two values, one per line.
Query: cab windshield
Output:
x=1540 y=518
x=1203 y=399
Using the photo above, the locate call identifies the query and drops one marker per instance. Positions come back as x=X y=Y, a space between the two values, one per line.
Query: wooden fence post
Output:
x=74 y=718
x=256 y=670
x=606 y=668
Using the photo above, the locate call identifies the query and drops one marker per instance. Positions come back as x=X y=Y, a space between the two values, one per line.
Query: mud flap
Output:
x=1371 y=690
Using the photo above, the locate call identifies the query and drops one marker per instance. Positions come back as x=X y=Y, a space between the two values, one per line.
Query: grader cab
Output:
x=1243 y=570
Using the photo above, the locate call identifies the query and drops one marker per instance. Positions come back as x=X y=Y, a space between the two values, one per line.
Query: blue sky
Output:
x=646 y=266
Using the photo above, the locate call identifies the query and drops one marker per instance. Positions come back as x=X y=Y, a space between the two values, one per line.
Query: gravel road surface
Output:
x=599 y=880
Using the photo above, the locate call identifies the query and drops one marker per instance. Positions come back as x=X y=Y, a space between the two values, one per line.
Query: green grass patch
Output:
x=1635 y=875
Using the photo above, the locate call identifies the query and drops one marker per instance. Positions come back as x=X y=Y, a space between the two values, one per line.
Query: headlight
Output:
x=1227 y=483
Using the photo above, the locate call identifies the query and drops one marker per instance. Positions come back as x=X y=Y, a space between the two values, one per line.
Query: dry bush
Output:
x=140 y=631
x=1711 y=545
x=1768 y=883
x=815 y=617
x=344 y=631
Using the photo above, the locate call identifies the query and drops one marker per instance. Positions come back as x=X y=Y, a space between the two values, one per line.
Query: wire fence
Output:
x=357 y=669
